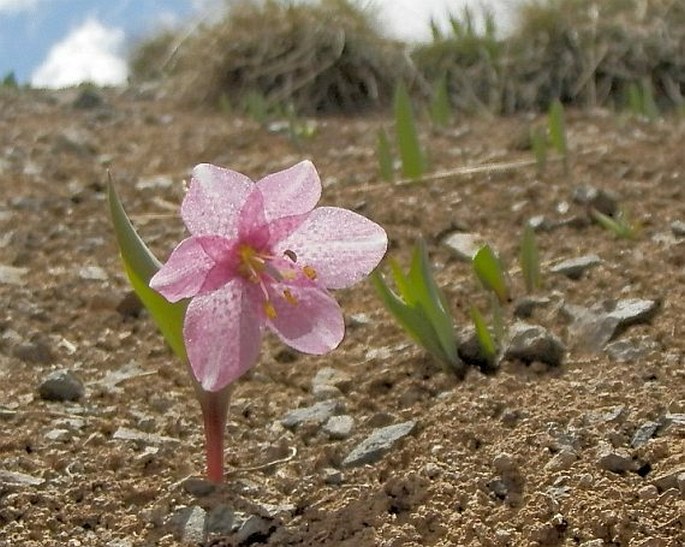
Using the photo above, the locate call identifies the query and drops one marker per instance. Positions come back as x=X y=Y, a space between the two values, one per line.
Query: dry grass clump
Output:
x=583 y=52
x=319 y=57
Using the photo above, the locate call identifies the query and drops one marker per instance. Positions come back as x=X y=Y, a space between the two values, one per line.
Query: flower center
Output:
x=258 y=267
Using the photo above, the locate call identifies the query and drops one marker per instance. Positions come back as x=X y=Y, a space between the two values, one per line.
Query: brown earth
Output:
x=512 y=458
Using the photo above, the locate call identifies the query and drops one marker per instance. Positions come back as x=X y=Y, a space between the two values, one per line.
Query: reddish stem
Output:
x=214 y=409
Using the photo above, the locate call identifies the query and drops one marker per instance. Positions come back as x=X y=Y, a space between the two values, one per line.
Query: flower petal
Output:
x=308 y=319
x=222 y=335
x=340 y=245
x=196 y=265
x=290 y=192
x=214 y=200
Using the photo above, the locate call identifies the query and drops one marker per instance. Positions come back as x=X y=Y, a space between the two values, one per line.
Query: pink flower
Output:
x=262 y=254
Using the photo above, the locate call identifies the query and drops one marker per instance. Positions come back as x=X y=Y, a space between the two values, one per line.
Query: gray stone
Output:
x=199 y=487
x=616 y=460
x=644 y=433
x=574 y=268
x=58 y=435
x=470 y=351
x=562 y=460
x=190 y=524
x=339 y=427
x=593 y=543
x=669 y=479
x=376 y=445
x=93 y=273
x=678 y=228
x=463 y=245
x=126 y=434
x=330 y=381
x=61 y=385
x=317 y=413
x=525 y=307
x=332 y=476
x=255 y=526
x=632 y=311
x=630 y=351
x=648 y=492
x=539 y=223
x=13 y=478
x=604 y=201
x=221 y=520
x=531 y=343
x=12 y=275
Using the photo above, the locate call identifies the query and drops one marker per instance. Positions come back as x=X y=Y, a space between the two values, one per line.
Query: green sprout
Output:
x=439 y=108
x=420 y=308
x=557 y=131
x=620 y=225
x=384 y=155
x=529 y=258
x=641 y=101
x=486 y=341
x=489 y=270
x=411 y=155
x=539 y=144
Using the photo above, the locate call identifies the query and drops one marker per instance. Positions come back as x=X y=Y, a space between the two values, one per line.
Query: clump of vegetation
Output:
x=319 y=57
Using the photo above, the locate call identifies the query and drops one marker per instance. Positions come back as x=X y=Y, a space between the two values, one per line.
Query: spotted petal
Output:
x=290 y=192
x=222 y=335
x=340 y=245
x=196 y=265
x=308 y=320
x=214 y=199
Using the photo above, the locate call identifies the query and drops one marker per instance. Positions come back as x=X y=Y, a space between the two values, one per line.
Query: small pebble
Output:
x=61 y=385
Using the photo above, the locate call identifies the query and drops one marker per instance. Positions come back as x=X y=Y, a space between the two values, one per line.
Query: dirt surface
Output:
x=518 y=457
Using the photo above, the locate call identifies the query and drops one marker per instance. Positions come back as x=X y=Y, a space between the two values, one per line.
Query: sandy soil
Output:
x=518 y=457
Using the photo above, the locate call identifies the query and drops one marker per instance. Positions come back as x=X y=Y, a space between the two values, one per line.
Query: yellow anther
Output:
x=269 y=310
x=290 y=254
x=289 y=298
x=309 y=272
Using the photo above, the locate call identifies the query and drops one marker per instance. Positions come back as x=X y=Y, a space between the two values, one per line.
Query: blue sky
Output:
x=55 y=43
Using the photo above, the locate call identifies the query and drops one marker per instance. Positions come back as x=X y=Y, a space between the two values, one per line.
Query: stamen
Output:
x=289 y=297
x=290 y=254
x=269 y=310
x=310 y=272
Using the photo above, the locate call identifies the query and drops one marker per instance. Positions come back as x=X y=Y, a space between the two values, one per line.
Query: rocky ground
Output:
x=101 y=440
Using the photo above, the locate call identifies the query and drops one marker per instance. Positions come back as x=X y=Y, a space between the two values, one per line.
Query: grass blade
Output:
x=485 y=340
x=440 y=108
x=530 y=260
x=411 y=155
x=490 y=272
x=557 y=131
x=384 y=155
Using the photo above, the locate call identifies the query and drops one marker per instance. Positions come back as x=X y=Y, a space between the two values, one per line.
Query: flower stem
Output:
x=214 y=409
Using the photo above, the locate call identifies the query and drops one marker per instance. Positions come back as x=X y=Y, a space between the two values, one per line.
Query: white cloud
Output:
x=88 y=54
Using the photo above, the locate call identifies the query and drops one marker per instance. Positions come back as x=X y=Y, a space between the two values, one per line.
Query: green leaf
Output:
x=430 y=298
x=440 y=108
x=620 y=226
x=538 y=142
x=485 y=339
x=411 y=155
x=412 y=319
x=557 y=131
x=140 y=265
x=384 y=155
x=489 y=271
x=530 y=260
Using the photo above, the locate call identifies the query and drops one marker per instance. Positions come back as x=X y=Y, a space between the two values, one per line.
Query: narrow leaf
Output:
x=140 y=265
x=557 y=131
x=411 y=155
x=538 y=142
x=485 y=339
x=440 y=108
x=489 y=271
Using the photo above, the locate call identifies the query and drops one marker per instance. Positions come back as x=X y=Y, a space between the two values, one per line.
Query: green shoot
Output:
x=384 y=155
x=530 y=260
x=641 y=101
x=411 y=155
x=10 y=81
x=539 y=144
x=140 y=265
x=490 y=272
x=557 y=132
x=256 y=107
x=620 y=225
x=440 y=108
x=420 y=308
x=487 y=343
